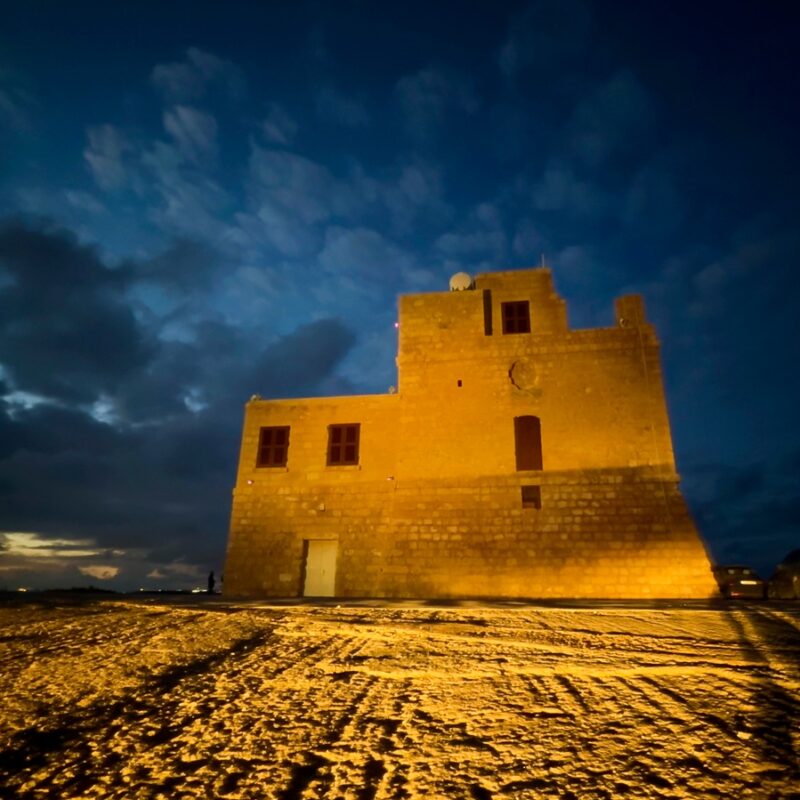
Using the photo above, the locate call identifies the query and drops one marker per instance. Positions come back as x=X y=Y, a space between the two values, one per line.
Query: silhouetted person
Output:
x=211 y=582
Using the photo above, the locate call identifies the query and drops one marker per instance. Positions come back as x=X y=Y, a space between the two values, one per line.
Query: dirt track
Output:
x=127 y=700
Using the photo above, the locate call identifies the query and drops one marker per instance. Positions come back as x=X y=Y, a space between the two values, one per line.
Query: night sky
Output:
x=203 y=201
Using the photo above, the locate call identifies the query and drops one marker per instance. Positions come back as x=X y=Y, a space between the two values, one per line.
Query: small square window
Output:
x=273 y=447
x=531 y=496
x=516 y=317
x=343 y=444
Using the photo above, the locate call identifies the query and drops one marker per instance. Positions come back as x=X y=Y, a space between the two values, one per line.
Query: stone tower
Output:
x=518 y=458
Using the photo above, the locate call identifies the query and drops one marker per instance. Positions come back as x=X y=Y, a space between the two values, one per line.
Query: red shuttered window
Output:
x=343 y=444
x=273 y=447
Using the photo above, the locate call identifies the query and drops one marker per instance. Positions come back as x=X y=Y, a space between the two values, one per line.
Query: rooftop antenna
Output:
x=543 y=264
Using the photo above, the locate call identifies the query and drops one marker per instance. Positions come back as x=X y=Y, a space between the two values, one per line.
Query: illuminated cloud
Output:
x=35 y=545
x=156 y=573
x=101 y=572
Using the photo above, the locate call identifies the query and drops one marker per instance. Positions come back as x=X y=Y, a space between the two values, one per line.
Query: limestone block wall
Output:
x=276 y=508
x=599 y=392
x=604 y=534
x=268 y=530
x=623 y=533
x=597 y=406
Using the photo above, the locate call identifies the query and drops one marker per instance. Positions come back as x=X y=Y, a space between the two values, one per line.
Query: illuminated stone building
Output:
x=517 y=458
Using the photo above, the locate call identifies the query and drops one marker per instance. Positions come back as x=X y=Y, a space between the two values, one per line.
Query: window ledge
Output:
x=337 y=467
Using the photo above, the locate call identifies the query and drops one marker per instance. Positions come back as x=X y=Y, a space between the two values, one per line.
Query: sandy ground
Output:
x=130 y=700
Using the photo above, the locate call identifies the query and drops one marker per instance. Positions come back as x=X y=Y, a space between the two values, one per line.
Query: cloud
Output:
x=483 y=244
x=298 y=185
x=65 y=330
x=81 y=211
x=180 y=568
x=653 y=202
x=749 y=513
x=413 y=196
x=185 y=266
x=29 y=545
x=15 y=107
x=292 y=199
x=194 y=132
x=360 y=254
x=336 y=107
x=31 y=557
x=736 y=286
x=529 y=242
x=200 y=72
x=224 y=366
x=190 y=202
x=582 y=273
x=45 y=560
x=727 y=316
x=275 y=227
x=101 y=572
x=559 y=189
x=172 y=179
x=612 y=121
x=544 y=36
x=153 y=480
x=85 y=201
x=482 y=237
x=156 y=573
x=171 y=383
x=427 y=96
x=576 y=265
x=278 y=127
x=105 y=155
x=295 y=365
x=46 y=429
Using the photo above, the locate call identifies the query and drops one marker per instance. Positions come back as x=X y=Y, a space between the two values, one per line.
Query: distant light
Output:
x=397 y=324
x=196 y=591
x=22 y=589
x=749 y=583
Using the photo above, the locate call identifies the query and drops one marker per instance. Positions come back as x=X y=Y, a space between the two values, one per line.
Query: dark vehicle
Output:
x=738 y=581
x=785 y=583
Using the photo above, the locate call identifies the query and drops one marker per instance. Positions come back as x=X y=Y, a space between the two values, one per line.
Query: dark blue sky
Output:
x=203 y=201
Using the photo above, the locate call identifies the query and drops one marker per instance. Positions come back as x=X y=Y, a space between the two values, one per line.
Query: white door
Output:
x=320 y=568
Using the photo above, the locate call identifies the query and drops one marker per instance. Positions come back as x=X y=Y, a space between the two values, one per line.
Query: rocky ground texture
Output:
x=118 y=699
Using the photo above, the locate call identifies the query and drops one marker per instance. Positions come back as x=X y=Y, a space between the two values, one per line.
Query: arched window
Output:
x=528 y=442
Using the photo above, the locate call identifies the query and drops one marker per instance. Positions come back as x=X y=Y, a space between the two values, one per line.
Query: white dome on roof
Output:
x=461 y=281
